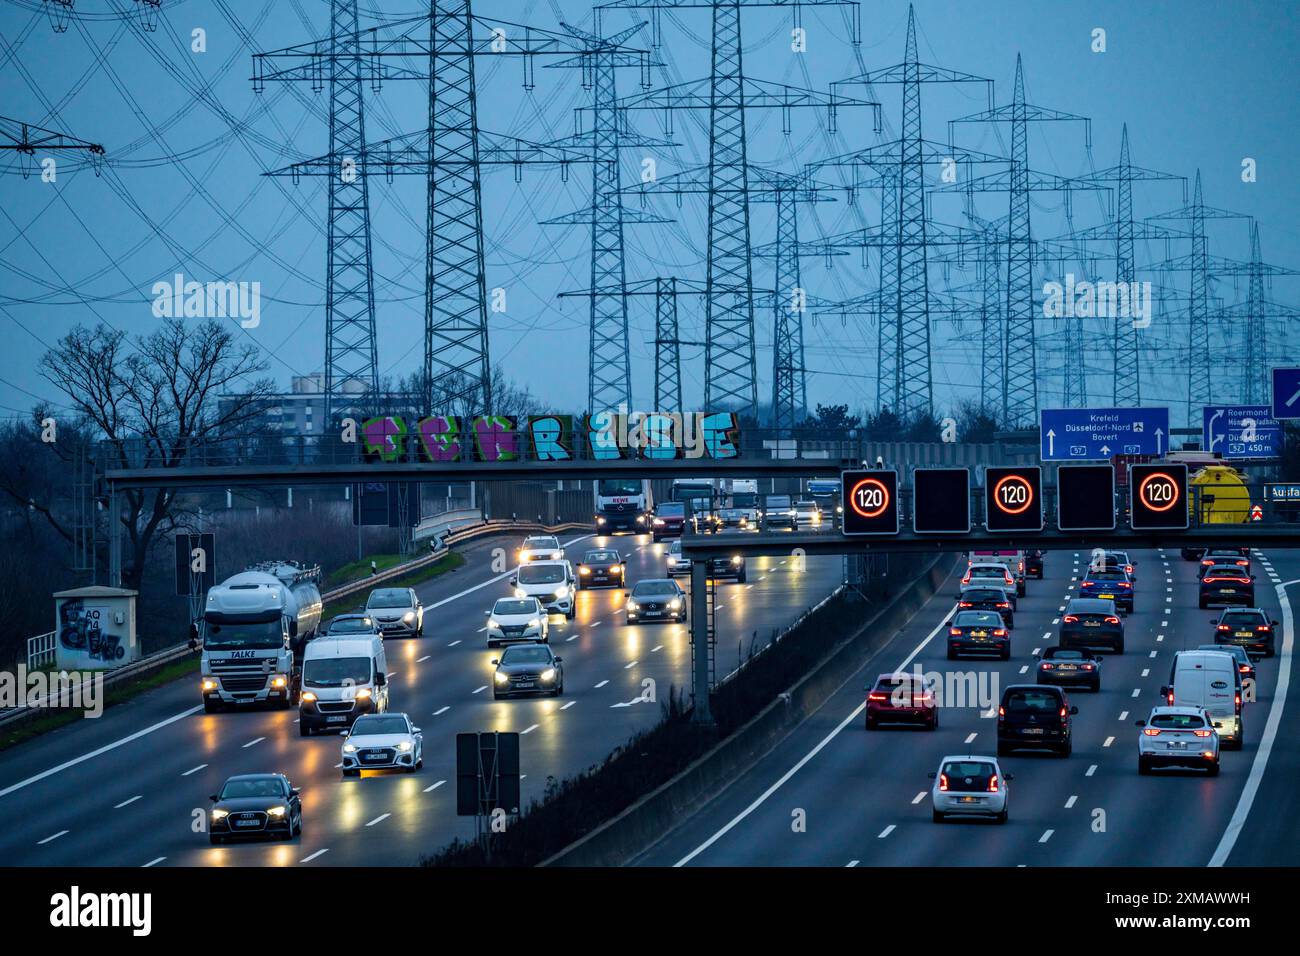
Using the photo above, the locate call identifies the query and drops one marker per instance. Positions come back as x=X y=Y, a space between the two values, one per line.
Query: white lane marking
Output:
x=1137 y=691
x=886 y=831
x=529 y=729
x=101 y=750
x=127 y=803
x=749 y=587
x=442 y=710
x=1024 y=668
x=1047 y=835
x=1153 y=654
x=53 y=836
x=568 y=640
x=1146 y=672
x=1090 y=771
x=1108 y=741
x=919 y=797
x=1260 y=763
x=434 y=786
x=1159 y=638
x=255 y=740
x=595 y=623
x=491 y=581
x=601 y=684
x=480 y=630
x=454 y=643
x=568 y=705
x=1056 y=620
x=480 y=690
x=1034 y=652
x=851 y=863
x=631 y=665
x=803 y=761
x=657 y=647
x=379 y=819
x=1061 y=608
x=1047 y=635
x=972 y=737
x=421 y=660
x=156 y=860
x=1123 y=716
x=1071 y=802
x=194 y=770
x=308 y=859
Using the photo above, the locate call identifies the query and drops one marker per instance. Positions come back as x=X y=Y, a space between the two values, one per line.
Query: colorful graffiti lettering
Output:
x=440 y=438
x=384 y=437
x=496 y=438
x=552 y=437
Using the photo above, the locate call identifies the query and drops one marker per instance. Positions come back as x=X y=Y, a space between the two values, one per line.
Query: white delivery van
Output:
x=342 y=678
x=1209 y=679
x=1013 y=560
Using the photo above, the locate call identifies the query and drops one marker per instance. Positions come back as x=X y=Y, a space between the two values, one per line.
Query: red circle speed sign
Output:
x=1013 y=494
x=1158 y=491
x=869 y=497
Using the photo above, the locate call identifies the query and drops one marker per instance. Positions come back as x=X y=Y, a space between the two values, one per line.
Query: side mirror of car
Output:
x=213 y=797
x=295 y=792
x=1218 y=725
x=380 y=680
x=514 y=582
x=931 y=774
x=415 y=730
x=1074 y=709
x=1164 y=691
x=947 y=623
x=1274 y=623
x=1252 y=577
x=1008 y=777
x=495 y=661
x=559 y=660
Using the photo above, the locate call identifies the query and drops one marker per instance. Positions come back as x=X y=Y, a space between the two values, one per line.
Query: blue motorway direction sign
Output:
x=1095 y=434
x=1241 y=431
x=1286 y=393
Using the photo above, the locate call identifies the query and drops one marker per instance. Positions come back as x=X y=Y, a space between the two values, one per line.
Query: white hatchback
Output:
x=383 y=742
x=1178 y=737
x=970 y=786
x=517 y=619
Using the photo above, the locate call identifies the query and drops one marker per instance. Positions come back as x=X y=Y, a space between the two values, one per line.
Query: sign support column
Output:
x=700 y=714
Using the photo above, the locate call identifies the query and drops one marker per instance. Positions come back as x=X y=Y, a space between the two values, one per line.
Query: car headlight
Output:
x=584 y=570
x=404 y=746
x=277 y=811
x=631 y=605
x=494 y=624
x=363 y=693
x=562 y=591
x=640 y=519
x=736 y=559
x=501 y=677
x=616 y=569
x=409 y=617
x=659 y=522
x=548 y=674
x=308 y=695
x=600 y=520
x=209 y=683
x=349 y=748
x=675 y=603
x=220 y=814
x=521 y=593
x=279 y=680
x=556 y=555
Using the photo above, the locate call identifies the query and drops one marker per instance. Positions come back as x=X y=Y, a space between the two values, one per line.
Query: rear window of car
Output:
x=982 y=594
x=1031 y=700
x=1177 y=721
x=1224 y=571
x=1250 y=618
x=1107 y=575
x=1063 y=654
x=977 y=618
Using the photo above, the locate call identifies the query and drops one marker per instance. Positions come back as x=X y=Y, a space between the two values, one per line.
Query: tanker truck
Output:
x=255 y=626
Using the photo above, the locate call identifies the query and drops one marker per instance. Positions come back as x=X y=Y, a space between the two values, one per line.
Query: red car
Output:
x=901 y=698
x=668 y=520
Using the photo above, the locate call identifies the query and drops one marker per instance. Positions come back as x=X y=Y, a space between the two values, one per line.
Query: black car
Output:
x=1037 y=716
x=528 y=669
x=1229 y=556
x=987 y=599
x=1108 y=584
x=1092 y=622
x=1248 y=627
x=732 y=567
x=1034 y=564
x=778 y=512
x=1227 y=584
x=978 y=632
x=656 y=599
x=350 y=625
x=255 y=805
x=1067 y=666
x=602 y=567
x=668 y=520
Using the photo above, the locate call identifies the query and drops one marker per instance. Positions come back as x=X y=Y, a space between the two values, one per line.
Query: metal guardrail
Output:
x=162 y=658
x=41 y=650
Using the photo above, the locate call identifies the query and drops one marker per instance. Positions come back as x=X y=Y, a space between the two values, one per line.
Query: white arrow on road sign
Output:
x=1292 y=400
x=1051 y=442
x=1159 y=434
x=1214 y=439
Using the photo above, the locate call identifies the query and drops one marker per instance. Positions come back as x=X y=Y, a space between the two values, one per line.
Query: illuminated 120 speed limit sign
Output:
x=870 y=502
x=1013 y=498
x=1157 y=496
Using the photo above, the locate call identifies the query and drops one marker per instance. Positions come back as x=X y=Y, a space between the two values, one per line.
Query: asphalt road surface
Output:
x=835 y=794
x=130 y=788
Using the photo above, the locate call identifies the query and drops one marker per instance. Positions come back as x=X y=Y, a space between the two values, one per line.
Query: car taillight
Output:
x=1151 y=731
x=1063 y=711
x=1169 y=698
x=1237 y=702
x=1243 y=563
x=921 y=700
x=1207 y=564
x=1086 y=584
x=1022 y=565
x=1242 y=580
x=993 y=784
x=1124 y=584
x=1087 y=667
x=1128 y=568
x=1261 y=627
x=954 y=631
x=964 y=604
x=1071 y=619
x=877 y=696
x=1202 y=733
x=966 y=579
x=943 y=781
x=1223 y=627
x=1046 y=666
x=1112 y=619
x=1000 y=632
x=1243 y=668
x=1003 y=604
x=1002 y=711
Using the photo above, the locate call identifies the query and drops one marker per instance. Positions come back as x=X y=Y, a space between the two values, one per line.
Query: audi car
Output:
x=517 y=619
x=255 y=805
x=901 y=698
x=527 y=669
x=602 y=568
x=987 y=599
x=383 y=742
x=1092 y=622
x=1178 y=737
x=1227 y=584
x=1248 y=627
x=1070 y=667
x=978 y=632
x=1109 y=584
x=969 y=786
x=656 y=599
x=1035 y=716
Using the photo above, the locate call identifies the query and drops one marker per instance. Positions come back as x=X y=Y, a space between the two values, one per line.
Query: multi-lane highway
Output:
x=131 y=788
x=835 y=794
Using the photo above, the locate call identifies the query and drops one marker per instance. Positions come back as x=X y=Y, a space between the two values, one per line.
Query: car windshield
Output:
x=778 y=501
x=648 y=588
x=351 y=625
x=671 y=509
x=1243 y=618
x=511 y=606
x=1177 y=721
x=376 y=724
x=526 y=654
x=232 y=636
x=541 y=544
x=1031 y=700
x=252 y=787
x=744 y=499
x=390 y=597
x=336 y=671
x=541 y=574
x=977 y=619
x=805 y=506
x=601 y=557
x=675 y=547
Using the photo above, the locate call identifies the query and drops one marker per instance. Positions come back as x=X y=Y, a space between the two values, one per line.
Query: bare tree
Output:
x=155 y=401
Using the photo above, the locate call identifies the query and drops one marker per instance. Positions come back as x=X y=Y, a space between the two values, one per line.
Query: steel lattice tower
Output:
x=993 y=344
x=350 y=357
x=668 y=353
x=789 y=387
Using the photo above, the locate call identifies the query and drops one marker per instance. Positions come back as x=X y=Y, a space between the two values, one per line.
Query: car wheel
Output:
x=871 y=724
x=1144 y=767
x=1202 y=603
x=1011 y=621
x=214 y=839
x=296 y=830
x=740 y=578
x=303 y=730
x=952 y=655
x=1096 y=687
x=1003 y=749
x=933 y=723
x=573 y=612
x=1067 y=749
x=936 y=816
x=351 y=773
x=496 y=696
x=1213 y=769
x=1119 y=648
x=1006 y=654
x=1001 y=817
x=211 y=706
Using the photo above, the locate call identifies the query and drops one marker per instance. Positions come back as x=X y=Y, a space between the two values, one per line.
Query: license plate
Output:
x=1092 y=624
x=970 y=799
x=245 y=823
x=1228 y=591
x=526 y=683
x=653 y=614
x=1067 y=667
x=1104 y=596
x=1243 y=633
x=979 y=633
x=375 y=757
x=336 y=720
x=1033 y=730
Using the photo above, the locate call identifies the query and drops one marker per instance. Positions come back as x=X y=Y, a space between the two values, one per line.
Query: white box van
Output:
x=342 y=678
x=1209 y=679
x=1013 y=560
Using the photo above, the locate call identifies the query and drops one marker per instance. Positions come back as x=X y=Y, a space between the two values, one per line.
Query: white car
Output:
x=970 y=786
x=541 y=547
x=383 y=741
x=552 y=583
x=1178 y=737
x=676 y=562
x=807 y=515
x=517 y=619
x=397 y=612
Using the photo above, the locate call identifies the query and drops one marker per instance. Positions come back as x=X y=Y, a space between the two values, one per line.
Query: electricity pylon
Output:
x=26 y=140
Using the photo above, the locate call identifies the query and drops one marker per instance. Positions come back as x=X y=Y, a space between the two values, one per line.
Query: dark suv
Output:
x=1037 y=716
x=1034 y=564
x=1092 y=622
x=1249 y=627
x=899 y=698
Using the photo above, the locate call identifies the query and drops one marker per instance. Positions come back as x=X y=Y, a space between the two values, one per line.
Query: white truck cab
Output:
x=342 y=678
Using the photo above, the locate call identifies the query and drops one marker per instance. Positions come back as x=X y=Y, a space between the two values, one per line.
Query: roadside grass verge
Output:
x=448 y=562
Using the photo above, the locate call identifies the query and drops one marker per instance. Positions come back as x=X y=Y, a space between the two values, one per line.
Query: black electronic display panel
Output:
x=1085 y=498
x=1013 y=498
x=1158 y=496
x=870 y=501
x=941 y=500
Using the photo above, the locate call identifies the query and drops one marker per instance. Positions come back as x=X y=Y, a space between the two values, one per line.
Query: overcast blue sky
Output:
x=1201 y=83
